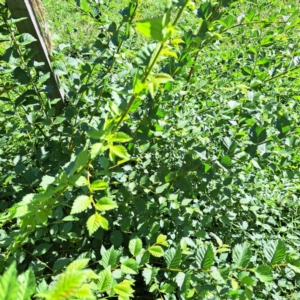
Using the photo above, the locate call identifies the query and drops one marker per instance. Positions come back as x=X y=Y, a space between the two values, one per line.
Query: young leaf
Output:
x=98 y=185
x=162 y=78
x=275 y=251
x=80 y=204
x=156 y=251
x=124 y=288
x=119 y=137
x=241 y=255
x=129 y=266
x=264 y=273
x=27 y=285
x=78 y=264
x=205 y=257
x=94 y=222
x=173 y=257
x=105 y=279
x=119 y=151
x=67 y=285
x=135 y=246
x=85 y=292
x=105 y=203
x=162 y=240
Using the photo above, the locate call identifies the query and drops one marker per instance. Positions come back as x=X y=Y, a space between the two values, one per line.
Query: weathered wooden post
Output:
x=23 y=9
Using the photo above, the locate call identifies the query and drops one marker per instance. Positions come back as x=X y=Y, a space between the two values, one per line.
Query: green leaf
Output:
x=67 y=285
x=226 y=161
x=162 y=78
x=156 y=251
x=162 y=240
x=96 y=150
x=151 y=28
x=105 y=203
x=98 y=185
x=205 y=257
x=26 y=39
x=119 y=151
x=149 y=274
x=119 y=137
x=129 y=266
x=135 y=246
x=173 y=257
x=27 y=285
x=80 y=204
x=143 y=258
x=109 y=258
x=96 y=221
x=78 y=264
x=275 y=251
x=81 y=161
x=124 y=288
x=105 y=280
x=85 y=292
x=161 y=188
x=264 y=273
x=241 y=255
x=8 y=284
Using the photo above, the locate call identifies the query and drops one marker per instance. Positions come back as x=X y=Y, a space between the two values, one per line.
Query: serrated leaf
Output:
x=105 y=280
x=8 y=283
x=264 y=273
x=124 y=288
x=162 y=240
x=205 y=257
x=67 y=285
x=98 y=185
x=135 y=246
x=81 y=160
x=78 y=264
x=119 y=137
x=275 y=251
x=156 y=251
x=109 y=258
x=129 y=266
x=105 y=203
x=85 y=292
x=80 y=204
x=27 y=285
x=143 y=258
x=149 y=274
x=96 y=221
x=226 y=161
x=173 y=257
x=241 y=255
x=120 y=151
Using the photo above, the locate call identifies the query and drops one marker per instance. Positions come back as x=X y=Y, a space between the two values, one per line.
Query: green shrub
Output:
x=173 y=170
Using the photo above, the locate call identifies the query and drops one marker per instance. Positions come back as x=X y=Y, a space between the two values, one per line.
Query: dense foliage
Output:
x=172 y=171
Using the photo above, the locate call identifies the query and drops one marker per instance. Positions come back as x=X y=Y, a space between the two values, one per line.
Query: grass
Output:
x=68 y=24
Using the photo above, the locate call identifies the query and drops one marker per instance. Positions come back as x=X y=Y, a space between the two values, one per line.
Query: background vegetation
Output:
x=172 y=171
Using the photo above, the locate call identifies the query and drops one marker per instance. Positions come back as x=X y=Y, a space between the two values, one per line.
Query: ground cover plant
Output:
x=173 y=170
